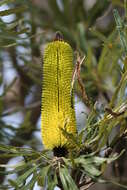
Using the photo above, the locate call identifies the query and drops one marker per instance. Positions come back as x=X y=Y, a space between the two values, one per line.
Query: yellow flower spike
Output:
x=57 y=103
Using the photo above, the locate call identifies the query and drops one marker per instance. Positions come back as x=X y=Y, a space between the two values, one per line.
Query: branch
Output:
x=76 y=74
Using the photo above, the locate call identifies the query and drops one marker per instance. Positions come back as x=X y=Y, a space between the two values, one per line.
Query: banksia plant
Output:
x=57 y=100
x=82 y=150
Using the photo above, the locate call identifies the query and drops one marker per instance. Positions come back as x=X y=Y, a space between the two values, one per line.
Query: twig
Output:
x=76 y=74
x=115 y=114
x=86 y=184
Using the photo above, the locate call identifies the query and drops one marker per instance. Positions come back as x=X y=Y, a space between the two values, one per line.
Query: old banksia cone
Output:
x=57 y=100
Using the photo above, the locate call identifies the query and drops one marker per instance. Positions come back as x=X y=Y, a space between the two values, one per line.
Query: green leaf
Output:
x=31 y=183
x=66 y=179
x=43 y=174
x=63 y=180
x=52 y=182
x=13 y=183
x=92 y=170
x=120 y=28
x=8 y=45
x=6 y=1
x=23 y=177
x=13 y=11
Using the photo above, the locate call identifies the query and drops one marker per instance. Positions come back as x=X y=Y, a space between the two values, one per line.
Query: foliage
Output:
x=103 y=74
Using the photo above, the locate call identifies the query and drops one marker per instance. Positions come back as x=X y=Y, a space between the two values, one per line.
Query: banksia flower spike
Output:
x=57 y=100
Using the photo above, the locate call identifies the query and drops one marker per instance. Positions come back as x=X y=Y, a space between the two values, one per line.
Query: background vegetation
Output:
x=96 y=29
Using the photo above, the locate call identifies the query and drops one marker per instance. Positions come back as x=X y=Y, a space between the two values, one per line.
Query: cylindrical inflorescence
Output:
x=57 y=103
